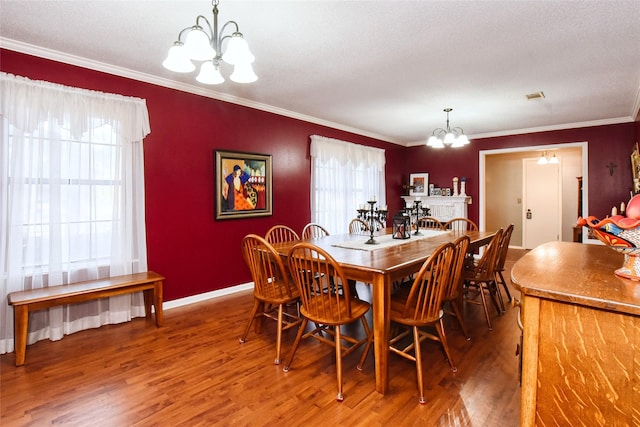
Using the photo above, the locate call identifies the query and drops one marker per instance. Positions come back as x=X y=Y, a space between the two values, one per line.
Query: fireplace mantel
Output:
x=442 y=208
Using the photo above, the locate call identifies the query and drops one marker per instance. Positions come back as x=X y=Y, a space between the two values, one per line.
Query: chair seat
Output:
x=397 y=315
x=278 y=294
x=358 y=309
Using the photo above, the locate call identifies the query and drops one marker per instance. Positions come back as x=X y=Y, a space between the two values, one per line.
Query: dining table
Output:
x=380 y=265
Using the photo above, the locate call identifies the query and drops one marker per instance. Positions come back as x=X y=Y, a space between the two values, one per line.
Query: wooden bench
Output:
x=38 y=299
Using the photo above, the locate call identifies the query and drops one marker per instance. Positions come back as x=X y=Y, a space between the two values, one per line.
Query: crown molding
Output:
x=90 y=64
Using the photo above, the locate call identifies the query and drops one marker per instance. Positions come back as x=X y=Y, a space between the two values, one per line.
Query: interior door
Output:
x=542 y=207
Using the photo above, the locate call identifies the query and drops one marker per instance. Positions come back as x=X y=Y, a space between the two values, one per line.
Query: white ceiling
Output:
x=385 y=69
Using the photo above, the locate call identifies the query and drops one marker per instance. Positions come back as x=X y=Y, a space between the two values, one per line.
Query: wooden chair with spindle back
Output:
x=313 y=230
x=319 y=278
x=461 y=224
x=273 y=290
x=281 y=233
x=358 y=226
x=479 y=277
x=420 y=307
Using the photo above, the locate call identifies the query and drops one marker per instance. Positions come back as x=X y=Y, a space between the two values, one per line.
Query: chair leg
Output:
x=367 y=347
x=340 y=396
x=504 y=285
x=484 y=305
x=279 y=335
x=457 y=312
x=303 y=326
x=418 y=353
x=254 y=311
x=445 y=344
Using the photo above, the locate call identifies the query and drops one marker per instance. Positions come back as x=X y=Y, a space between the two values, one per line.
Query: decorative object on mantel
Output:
x=401 y=226
x=453 y=137
x=372 y=215
x=622 y=234
x=202 y=45
x=463 y=187
x=455 y=186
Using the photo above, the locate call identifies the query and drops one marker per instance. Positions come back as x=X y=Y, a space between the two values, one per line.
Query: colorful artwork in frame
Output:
x=635 y=168
x=243 y=184
x=419 y=183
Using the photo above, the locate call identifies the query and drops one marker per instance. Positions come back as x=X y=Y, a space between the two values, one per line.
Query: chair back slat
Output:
x=424 y=302
x=454 y=285
x=430 y=223
x=358 y=226
x=504 y=247
x=269 y=274
x=484 y=269
x=461 y=224
x=281 y=233
x=313 y=230
x=319 y=278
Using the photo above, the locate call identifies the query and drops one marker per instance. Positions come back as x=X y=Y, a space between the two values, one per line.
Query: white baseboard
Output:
x=206 y=296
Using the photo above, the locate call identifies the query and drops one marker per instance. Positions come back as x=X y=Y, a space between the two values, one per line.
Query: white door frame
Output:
x=585 y=176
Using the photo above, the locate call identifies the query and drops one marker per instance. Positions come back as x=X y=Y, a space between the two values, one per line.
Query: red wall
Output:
x=192 y=250
x=606 y=144
x=199 y=254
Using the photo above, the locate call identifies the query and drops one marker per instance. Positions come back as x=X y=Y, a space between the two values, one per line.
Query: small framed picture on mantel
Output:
x=419 y=184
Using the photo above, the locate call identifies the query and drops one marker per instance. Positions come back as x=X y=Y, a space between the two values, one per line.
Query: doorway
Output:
x=500 y=194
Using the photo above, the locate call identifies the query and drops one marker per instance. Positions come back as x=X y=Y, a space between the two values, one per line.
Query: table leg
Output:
x=381 y=309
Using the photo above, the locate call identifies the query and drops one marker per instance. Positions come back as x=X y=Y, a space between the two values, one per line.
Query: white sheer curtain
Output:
x=71 y=200
x=343 y=177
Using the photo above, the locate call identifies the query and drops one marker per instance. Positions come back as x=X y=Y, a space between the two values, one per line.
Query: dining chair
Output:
x=479 y=277
x=452 y=299
x=281 y=233
x=313 y=230
x=422 y=307
x=273 y=290
x=358 y=226
x=504 y=248
x=461 y=224
x=328 y=308
x=430 y=223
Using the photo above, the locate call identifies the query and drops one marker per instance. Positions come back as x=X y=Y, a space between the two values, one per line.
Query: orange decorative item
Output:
x=622 y=234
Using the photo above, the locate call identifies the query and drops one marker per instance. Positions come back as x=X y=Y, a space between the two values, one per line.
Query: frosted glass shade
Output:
x=209 y=74
x=237 y=51
x=177 y=60
x=243 y=73
x=198 y=45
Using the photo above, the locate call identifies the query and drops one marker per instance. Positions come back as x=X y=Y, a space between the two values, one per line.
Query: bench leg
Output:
x=157 y=302
x=21 y=325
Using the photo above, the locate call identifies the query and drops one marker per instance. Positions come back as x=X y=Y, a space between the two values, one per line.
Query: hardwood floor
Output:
x=194 y=372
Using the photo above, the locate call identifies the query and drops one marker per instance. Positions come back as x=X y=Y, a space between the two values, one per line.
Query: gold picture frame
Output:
x=243 y=185
x=635 y=168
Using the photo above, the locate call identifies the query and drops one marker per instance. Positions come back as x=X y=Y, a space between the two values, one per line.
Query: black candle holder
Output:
x=371 y=216
x=418 y=212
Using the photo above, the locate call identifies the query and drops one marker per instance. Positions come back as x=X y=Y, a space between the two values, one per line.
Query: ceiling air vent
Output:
x=536 y=95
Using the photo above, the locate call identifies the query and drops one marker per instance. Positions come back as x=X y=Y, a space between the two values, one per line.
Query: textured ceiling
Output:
x=385 y=69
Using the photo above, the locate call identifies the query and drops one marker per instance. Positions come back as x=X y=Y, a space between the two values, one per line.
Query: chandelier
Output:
x=203 y=42
x=453 y=137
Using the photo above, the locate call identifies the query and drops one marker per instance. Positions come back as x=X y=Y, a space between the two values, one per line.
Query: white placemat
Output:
x=386 y=241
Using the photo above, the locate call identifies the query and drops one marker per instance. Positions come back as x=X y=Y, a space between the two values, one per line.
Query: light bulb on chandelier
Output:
x=452 y=137
x=203 y=42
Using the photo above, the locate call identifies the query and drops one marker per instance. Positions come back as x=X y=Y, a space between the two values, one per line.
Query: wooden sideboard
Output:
x=581 y=346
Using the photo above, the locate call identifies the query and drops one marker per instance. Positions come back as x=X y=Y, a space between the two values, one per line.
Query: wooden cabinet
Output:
x=581 y=346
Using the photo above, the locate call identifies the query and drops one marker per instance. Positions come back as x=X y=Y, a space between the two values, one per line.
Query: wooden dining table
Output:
x=380 y=267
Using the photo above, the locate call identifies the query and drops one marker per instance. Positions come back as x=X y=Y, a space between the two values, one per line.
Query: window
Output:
x=343 y=177
x=72 y=200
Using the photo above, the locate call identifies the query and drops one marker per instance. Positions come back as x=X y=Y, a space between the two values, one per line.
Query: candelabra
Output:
x=372 y=216
x=417 y=212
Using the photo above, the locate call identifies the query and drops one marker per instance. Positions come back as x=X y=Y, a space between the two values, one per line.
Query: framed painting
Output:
x=419 y=183
x=635 y=169
x=243 y=185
